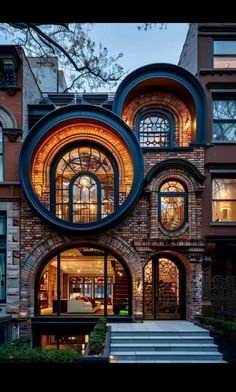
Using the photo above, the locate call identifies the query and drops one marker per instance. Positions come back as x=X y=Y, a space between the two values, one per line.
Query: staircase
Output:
x=162 y=345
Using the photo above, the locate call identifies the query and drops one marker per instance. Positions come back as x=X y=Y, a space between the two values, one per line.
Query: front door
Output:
x=163 y=289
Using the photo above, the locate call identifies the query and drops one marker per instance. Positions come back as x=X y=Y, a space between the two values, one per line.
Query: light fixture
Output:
x=84 y=181
x=139 y=285
x=187 y=122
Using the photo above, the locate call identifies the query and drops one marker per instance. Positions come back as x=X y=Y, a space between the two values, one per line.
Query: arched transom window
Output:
x=172 y=205
x=84 y=184
x=155 y=130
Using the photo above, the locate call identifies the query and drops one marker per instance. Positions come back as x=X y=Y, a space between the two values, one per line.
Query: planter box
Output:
x=99 y=358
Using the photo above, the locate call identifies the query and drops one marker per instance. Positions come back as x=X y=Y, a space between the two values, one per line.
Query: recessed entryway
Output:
x=164 y=288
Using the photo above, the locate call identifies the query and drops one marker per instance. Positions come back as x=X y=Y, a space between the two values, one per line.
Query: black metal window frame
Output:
x=155 y=112
x=173 y=194
x=55 y=162
x=71 y=187
x=1 y=153
x=106 y=283
x=223 y=121
x=3 y=251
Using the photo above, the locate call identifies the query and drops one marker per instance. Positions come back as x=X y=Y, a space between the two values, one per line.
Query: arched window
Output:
x=84 y=183
x=155 y=129
x=172 y=205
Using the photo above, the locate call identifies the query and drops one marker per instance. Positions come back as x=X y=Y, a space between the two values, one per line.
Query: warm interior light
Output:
x=86 y=338
x=84 y=182
x=187 y=122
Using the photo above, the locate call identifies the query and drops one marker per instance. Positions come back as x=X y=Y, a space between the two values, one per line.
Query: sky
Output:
x=139 y=47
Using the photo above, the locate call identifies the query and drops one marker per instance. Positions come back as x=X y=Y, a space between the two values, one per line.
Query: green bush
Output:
x=227 y=327
x=20 y=350
x=97 y=337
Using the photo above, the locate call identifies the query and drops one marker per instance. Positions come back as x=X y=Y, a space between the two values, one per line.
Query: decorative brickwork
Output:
x=162 y=100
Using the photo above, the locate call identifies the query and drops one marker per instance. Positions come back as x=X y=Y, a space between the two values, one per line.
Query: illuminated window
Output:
x=224 y=120
x=1 y=152
x=225 y=54
x=224 y=199
x=2 y=257
x=172 y=205
x=84 y=185
x=155 y=129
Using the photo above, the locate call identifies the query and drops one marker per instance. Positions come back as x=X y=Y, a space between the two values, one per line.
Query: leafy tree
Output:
x=86 y=65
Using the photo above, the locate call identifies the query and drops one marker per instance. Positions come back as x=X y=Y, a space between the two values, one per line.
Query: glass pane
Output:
x=172 y=186
x=2 y=224
x=224 y=62
x=225 y=47
x=154 y=131
x=224 y=211
x=2 y=276
x=224 y=109
x=117 y=289
x=48 y=289
x=224 y=188
x=168 y=287
x=1 y=140
x=85 y=188
x=148 y=297
x=225 y=131
x=1 y=168
x=172 y=212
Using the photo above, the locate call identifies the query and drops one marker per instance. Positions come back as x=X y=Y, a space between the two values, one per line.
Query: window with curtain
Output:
x=224 y=200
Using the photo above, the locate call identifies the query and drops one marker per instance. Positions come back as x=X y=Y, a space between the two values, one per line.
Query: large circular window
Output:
x=81 y=168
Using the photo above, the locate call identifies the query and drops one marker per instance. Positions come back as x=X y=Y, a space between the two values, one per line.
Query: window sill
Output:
x=222 y=142
x=223 y=224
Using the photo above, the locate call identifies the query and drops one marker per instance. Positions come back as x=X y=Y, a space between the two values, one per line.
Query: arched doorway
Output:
x=83 y=281
x=164 y=288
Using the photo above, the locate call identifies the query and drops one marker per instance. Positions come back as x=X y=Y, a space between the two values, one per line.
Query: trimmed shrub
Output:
x=97 y=337
x=227 y=327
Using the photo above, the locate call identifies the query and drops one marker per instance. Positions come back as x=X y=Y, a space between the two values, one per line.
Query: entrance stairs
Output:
x=162 y=342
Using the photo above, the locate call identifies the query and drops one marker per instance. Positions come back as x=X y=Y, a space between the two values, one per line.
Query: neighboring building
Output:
x=112 y=214
x=210 y=53
x=46 y=72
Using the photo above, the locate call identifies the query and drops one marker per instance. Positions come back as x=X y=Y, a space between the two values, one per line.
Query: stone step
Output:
x=167 y=356
x=161 y=339
x=145 y=333
x=163 y=361
x=162 y=347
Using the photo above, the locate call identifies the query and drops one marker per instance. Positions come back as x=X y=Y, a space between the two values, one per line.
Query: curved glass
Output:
x=85 y=186
x=154 y=130
x=172 y=200
x=84 y=281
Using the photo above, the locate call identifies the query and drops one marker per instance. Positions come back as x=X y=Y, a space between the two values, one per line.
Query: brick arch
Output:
x=189 y=276
x=6 y=118
x=35 y=260
x=191 y=228
x=162 y=100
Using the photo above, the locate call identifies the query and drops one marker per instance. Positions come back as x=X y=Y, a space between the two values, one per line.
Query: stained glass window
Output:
x=172 y=201
x=85 y=185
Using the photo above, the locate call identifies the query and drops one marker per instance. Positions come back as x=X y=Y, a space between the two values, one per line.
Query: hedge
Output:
x=227 y=327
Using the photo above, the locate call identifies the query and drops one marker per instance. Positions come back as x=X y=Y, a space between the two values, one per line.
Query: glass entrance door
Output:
x=162 y=289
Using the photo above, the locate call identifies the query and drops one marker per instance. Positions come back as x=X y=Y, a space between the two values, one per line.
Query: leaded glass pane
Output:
x=172 y=212
x=168 y=287
x=154 y=131
x=172 y=186
x=85 y=197
x=148 y=289
x=224 y=120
